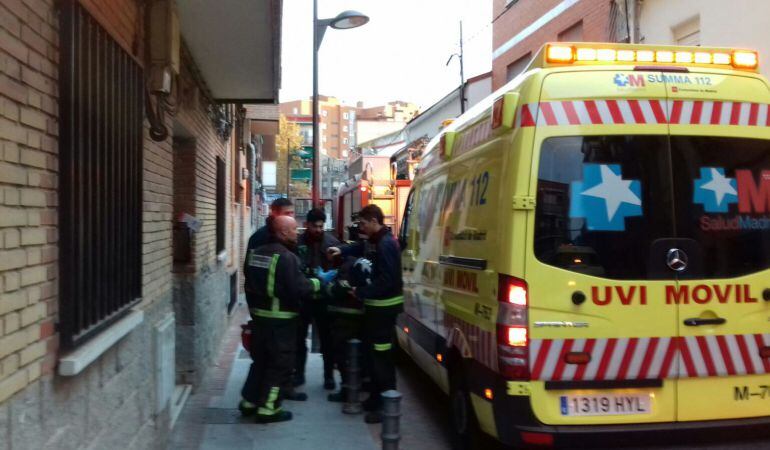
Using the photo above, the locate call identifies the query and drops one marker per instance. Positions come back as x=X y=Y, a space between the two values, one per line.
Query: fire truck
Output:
x=373 y=182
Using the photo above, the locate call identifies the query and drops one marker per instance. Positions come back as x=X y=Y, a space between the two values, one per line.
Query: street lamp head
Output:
x=349 y=19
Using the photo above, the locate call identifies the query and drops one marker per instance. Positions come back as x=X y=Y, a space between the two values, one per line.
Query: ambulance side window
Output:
x=601 y=202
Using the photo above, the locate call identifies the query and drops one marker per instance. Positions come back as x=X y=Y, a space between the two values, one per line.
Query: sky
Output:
x=401 y=54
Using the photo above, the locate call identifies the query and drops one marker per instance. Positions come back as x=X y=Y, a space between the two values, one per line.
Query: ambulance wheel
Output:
x=464 y=426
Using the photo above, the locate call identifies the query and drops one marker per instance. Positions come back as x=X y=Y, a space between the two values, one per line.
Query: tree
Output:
x=288 y=141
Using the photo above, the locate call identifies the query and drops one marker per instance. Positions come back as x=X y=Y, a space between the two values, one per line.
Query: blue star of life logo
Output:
x=621 y=80
x=604 y=199
x=714 y=190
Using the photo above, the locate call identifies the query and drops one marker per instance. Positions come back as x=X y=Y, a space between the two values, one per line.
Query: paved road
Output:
x=425 y=425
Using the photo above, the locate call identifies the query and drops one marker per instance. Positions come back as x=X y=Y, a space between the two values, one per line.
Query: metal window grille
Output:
x=100 y=214
x=221 y=199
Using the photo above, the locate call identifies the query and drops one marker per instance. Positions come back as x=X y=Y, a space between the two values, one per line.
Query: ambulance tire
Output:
x=466 y=434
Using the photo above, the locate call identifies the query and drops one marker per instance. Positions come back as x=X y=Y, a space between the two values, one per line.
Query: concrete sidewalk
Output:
x=210 y=420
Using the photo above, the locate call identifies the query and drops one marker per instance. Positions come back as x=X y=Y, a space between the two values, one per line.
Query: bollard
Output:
x=352 y=384
x=391 y=415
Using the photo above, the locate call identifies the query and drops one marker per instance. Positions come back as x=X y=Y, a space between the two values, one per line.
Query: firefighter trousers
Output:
x=273 y=347
x=379 y=338
x=322 y=323
x=344 y=327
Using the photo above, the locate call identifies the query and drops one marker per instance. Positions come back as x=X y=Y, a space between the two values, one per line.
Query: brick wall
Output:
x=110 y=403
x=28 y=199
x=595 y=15
x=201 y=287
x=208 y=147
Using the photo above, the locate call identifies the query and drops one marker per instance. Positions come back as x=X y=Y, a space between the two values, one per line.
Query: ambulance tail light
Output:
x=513 y=328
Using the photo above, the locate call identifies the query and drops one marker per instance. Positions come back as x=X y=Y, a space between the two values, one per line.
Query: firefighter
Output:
x=312 y=246
x=346 y=312
x=383 y=300
x=279 y=207
x=276 y=289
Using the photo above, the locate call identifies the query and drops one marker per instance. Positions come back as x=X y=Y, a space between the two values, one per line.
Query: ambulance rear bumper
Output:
x=514 y=416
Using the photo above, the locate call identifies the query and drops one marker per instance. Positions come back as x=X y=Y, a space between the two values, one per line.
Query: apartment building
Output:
x=521 y=27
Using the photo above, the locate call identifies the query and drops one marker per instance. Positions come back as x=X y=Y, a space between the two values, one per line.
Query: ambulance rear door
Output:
x=720 y=151
x=602 y=340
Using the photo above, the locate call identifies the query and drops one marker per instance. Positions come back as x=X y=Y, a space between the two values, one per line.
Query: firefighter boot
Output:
x=247 y=408
x=278 y=416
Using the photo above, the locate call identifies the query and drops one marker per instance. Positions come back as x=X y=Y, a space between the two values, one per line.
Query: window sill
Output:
x=75 y=362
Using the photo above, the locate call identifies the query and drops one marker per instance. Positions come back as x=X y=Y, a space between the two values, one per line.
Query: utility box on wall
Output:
x=164 y=45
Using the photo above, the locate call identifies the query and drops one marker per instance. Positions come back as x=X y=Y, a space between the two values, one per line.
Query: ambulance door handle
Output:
x=695 y=322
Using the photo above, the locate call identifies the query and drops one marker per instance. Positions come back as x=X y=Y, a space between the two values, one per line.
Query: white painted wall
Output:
x=367 y=130
x=477 y=91
x=428 y=123
x=733 y=23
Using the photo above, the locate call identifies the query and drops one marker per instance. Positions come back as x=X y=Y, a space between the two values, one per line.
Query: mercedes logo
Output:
x=676 y=260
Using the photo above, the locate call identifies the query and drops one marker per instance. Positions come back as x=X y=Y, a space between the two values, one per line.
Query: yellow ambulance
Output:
x=586 y=253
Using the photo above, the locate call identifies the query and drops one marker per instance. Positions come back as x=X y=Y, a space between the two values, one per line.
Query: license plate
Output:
x=605 y=404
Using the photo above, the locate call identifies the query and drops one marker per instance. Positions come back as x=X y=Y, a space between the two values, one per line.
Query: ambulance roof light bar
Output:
x=568 y=53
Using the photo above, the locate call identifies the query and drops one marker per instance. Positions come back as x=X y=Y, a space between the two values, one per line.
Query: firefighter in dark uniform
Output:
x=275 y=291
x=279 y=207
x=383 y=301
x=312 y=246
x=346 y=312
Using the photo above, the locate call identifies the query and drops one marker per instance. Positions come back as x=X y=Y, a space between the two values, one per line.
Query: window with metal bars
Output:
x=100 y=150
x=221 y=199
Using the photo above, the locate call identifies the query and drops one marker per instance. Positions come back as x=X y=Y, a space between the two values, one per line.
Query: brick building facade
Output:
x=79 y=366
x=521 y=27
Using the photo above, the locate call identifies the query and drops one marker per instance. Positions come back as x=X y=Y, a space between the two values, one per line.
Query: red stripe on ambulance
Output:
x=650 y=358
x=640 y=112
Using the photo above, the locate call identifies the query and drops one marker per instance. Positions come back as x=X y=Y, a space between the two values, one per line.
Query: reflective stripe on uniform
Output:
x=271 y=283
x=397 y=300
x=382 y=347
x=259 y=261
x=273 y=314
x=269 y=409
x=316 y=285
x=343 y=310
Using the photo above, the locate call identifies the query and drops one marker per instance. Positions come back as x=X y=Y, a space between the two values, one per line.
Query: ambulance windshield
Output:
x=604 y=203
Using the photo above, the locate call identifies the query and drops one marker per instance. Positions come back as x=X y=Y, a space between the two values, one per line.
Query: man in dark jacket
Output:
x=383 y=300
x=312 y=246
x=275 y=291
x=263 y=235
x=279 y=207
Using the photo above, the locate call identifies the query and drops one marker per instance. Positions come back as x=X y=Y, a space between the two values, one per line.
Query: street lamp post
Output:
x=344 y=20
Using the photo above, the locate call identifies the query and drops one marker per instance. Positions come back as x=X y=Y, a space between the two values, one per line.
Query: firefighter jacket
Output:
x=259 y=238
x=313 y=252
x=386 y=288
x=276 y=288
